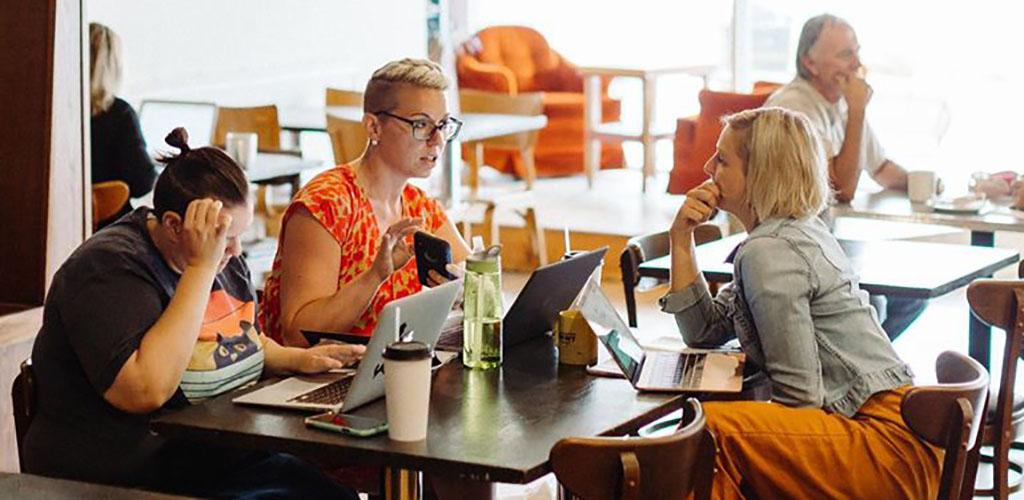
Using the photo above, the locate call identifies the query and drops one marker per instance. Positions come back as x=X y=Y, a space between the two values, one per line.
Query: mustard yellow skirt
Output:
x=769 y=451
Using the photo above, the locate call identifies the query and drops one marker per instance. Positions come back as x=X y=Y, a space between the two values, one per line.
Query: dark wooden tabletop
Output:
x=32 y=487
x=496 y=425
x=899 y=268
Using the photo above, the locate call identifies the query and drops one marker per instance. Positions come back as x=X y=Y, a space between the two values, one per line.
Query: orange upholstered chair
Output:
x=696 y=136
x=514 y=59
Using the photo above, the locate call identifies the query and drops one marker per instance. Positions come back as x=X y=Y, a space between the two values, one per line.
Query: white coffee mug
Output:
x=407 y=390
x=922 y=185
x=242 y=146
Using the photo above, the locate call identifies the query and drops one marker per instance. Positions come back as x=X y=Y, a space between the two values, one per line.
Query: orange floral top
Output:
x=338 y=203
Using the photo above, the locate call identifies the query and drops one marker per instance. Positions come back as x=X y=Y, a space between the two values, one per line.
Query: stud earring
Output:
x=374 y=143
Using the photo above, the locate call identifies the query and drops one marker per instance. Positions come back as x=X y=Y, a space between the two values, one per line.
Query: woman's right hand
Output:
x=393 y=252
x=697 y=209
x=204 y=233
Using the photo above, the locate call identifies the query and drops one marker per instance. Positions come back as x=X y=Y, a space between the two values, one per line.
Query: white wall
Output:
x=249 y=52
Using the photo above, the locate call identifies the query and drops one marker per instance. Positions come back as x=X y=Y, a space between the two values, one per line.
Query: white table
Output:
x=595 y=131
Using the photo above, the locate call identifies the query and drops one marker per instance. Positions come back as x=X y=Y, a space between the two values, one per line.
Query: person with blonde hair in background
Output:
x=118 y=148
x=796 y=307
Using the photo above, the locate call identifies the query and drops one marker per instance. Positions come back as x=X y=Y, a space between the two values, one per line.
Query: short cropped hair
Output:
x=104 y=67
x=809 y=36
x=380 y=90
x=785 y=162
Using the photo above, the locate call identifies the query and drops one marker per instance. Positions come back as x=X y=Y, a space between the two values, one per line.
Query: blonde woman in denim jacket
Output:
x=833 y=427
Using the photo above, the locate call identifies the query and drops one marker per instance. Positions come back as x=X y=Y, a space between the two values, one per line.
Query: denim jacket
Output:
x=799 y=313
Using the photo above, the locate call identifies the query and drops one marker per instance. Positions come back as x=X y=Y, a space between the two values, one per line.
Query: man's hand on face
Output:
x=856 y=91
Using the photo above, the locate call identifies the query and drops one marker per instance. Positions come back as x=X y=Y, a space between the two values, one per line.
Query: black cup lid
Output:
x=407 y=351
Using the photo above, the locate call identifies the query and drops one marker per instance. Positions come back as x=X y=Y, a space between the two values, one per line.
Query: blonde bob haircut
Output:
x=381 y=90
x=785 y=162
x=104 y=67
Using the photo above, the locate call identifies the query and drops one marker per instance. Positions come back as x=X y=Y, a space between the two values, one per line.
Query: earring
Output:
x=374 y=143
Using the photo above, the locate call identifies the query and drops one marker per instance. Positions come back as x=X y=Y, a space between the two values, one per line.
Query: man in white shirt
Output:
x=831 y=91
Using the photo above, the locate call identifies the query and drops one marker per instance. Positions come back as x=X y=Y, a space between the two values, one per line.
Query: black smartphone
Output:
x=352 y=425
x=432 y=253
x=314 y=337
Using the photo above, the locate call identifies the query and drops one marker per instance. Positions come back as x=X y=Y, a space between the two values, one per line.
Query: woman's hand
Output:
x=204 y=233
x=697 y=209
x=324 y=357
x=435 y=278
x=393 y=252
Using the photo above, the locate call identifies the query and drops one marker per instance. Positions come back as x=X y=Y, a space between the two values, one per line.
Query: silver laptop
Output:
x=157 y=118
x=693 y=370
x=421 y=317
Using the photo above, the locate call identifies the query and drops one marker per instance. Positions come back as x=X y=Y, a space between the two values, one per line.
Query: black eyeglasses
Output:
x=424 y=129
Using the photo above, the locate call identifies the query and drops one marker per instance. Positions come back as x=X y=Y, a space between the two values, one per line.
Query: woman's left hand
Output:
x=325 y=357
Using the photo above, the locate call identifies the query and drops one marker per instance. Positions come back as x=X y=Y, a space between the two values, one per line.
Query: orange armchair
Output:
x=515 y=59
x=696 y=136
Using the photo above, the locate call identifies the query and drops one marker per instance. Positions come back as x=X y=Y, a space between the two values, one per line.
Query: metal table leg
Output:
x=402 y=484
x=980 y=340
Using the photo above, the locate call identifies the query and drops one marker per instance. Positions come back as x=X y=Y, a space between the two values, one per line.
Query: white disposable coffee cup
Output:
x=921 y=185
x=242 y=146
x=407 y=389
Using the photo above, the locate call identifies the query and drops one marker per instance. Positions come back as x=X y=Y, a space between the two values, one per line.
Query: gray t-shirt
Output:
x=829 y=120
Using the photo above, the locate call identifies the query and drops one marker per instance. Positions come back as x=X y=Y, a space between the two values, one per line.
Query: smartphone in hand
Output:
x=432 y=253
x=352 y=425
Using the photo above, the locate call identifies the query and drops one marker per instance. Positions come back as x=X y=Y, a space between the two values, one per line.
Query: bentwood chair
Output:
x=1000 y=303
x=523 y=144
x=23 y=398
x=262 y=120
x=633 y=468
x=640 y=249
x=107 y=200
x=948 y=415
x=339 y=97
x=348 y=139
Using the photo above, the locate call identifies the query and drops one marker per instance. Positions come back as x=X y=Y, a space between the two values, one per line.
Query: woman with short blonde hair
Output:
x=118 y=149
x=346 y=238
x=797 y=310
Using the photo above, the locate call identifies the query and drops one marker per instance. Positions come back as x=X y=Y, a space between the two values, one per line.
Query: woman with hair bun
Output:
x=153 y=313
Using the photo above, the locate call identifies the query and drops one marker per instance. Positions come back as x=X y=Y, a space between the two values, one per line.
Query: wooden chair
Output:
x=1000 y=303
x=23 y=399
x=670 y=467
x=949 y=415
x=640 y=249
x=338 y=97
x=107 y=200
x=348 y=139
x=523 y=144
x=260 y=119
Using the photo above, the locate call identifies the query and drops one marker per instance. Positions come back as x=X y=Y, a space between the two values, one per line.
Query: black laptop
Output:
x=550 y=289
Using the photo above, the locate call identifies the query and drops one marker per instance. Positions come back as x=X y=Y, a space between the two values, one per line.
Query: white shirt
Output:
x=829 y=120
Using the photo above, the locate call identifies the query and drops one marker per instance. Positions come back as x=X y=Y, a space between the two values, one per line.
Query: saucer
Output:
x=958 y=206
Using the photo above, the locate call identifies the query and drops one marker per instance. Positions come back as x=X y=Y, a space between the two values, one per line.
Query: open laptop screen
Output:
x=611 y=329
x=158 y=118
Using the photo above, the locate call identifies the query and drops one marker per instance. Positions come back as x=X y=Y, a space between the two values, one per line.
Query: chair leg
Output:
x=491 y=223
x=529 y=164
x=540 y=249
x=628 y=288
x=474 y=168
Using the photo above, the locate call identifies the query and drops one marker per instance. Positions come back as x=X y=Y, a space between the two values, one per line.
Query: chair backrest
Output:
x=339 y=97
x=949 y=415
x=526 y=104
x=640 y=249
x=670 y=467
x=348 y=139
x=260 y=119
x=107 y=200
x=526 y=54
x=23 y=398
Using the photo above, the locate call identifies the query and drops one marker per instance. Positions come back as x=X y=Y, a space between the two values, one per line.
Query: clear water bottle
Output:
x=482 y=307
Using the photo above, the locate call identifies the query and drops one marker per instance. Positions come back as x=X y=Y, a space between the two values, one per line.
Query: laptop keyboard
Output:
x=684 y=370
x=331 y=394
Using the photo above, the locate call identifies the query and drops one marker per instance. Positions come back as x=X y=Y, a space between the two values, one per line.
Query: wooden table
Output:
x=897 y=268
x=595 y=131
x=279 y=168
x=475 y=126
x=496 y=425
x=894 y=206
x=32 y=487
